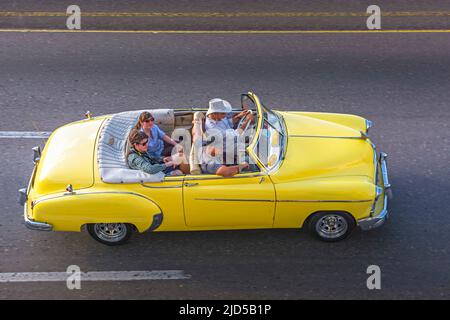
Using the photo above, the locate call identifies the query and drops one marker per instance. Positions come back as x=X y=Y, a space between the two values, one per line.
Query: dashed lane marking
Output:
x=24 y=134
x=94 y=276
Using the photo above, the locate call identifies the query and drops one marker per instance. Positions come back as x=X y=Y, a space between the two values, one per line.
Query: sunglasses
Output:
x=143 y=144
x=150 y=119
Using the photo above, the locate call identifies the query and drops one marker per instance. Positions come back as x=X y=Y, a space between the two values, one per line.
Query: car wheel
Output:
x=331 y=226
x=111 y=234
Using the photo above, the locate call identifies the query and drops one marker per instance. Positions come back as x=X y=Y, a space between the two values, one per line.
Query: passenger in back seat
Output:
x=139 y=159
x=157 y=137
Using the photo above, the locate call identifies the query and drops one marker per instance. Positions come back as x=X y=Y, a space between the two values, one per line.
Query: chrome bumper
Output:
x=377 y=221
x=39 y=226
x=23 y=198
x=29 y=223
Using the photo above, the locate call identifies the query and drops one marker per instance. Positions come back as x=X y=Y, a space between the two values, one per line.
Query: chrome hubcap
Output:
x=331 y=226
x=111 y=232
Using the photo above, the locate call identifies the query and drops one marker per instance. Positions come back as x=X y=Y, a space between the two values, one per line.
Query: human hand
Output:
x=243 y=165
x=178 y=158
x=178 y=147
x=241 y=114
x=170 y=164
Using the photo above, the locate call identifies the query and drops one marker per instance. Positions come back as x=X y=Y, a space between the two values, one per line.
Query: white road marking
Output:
x=95 y=276
x=24 y=134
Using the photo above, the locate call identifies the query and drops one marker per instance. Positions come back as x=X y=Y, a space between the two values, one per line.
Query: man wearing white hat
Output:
x=217 y=122
x=216 y=117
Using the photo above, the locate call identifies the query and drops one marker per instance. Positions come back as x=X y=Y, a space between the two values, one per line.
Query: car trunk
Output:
x=67 y=158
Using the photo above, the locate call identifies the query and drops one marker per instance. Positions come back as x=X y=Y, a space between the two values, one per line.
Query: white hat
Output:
x=219 y=105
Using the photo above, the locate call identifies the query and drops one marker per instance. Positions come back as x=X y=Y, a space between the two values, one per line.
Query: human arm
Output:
x=169 y=140
x=238 y=116
x=229 y=171
x=248 y=117
x=138 y=162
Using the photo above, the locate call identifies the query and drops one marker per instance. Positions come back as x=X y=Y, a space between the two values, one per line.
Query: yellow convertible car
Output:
x=319 y=171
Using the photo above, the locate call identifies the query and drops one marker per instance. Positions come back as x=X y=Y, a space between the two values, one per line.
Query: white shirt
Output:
x=221 y=125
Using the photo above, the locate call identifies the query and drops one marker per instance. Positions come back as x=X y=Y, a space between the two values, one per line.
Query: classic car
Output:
x=321 y=171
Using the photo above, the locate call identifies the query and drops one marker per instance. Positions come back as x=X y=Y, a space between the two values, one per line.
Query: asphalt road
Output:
x=400 y=81
x=225 y=14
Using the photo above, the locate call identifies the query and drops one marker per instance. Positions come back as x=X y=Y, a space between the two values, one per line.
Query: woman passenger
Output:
x=139 y=159
x=156 y=137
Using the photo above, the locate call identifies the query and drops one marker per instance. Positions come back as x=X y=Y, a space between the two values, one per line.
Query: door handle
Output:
x=186 y=184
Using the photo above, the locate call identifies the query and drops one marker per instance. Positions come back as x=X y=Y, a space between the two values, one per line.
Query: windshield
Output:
x=270 y=144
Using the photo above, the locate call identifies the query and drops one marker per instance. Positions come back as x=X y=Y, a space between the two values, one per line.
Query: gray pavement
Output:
x=225 y=15
x=401 y=81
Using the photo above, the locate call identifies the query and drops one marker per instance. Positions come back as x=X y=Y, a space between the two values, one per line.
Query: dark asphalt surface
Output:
x=400 y=81
x=344 y=14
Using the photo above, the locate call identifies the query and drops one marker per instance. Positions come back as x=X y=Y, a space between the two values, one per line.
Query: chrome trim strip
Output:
x=326 y=137
x=285 y=143
x=190 y=109
x=378 y=193
x=375 y=178
x=238 y=200
x=375 y=222
x=187 y=178
x=344 y=201
x=375 y=163
x=267 y=200
x=161 y=187
x=384 y=170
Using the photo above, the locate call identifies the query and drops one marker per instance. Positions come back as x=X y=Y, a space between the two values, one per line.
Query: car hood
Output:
x=321 y=149
x=301 y=125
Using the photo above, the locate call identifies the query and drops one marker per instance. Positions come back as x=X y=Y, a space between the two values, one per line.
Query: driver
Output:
x=216 y=117
x=218 y=124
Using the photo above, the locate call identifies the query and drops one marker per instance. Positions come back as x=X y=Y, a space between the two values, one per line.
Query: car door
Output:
x=243 y=201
